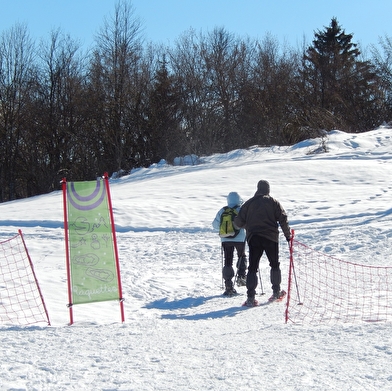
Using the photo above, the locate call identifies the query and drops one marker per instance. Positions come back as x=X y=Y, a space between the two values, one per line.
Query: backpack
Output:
x=226 y=227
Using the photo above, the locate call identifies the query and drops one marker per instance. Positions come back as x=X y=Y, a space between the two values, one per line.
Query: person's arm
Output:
x=240 y=219
x=216 y=222
x=283 y=222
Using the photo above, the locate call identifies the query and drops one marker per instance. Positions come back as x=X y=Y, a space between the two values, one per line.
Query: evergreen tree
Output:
x=164 y=124
x=338 y=84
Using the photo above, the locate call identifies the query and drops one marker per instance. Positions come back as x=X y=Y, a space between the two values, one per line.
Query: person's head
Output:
x=234 y=199
x=263 y=187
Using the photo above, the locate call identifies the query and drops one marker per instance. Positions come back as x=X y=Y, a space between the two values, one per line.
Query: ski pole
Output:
x=291 y=243
x=222 y=265
x=296 y=285
x=261 y=284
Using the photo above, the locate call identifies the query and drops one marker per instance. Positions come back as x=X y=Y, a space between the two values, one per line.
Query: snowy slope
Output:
x=179 y=332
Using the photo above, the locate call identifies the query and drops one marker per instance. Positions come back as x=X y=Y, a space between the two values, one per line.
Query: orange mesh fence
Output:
x=325 y=289
x=21 y=301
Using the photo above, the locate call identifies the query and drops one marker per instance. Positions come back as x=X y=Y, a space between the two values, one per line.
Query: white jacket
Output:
x=233 y=199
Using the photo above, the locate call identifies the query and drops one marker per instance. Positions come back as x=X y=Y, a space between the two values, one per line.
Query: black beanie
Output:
x=263 y=187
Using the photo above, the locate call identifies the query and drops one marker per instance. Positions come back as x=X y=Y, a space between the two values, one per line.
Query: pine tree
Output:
x=341 y=86
x=164 y=125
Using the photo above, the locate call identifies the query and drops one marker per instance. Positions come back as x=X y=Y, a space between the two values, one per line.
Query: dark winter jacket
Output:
x=260 y=216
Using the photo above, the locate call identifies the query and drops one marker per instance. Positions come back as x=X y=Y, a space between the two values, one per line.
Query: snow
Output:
x=180 y=333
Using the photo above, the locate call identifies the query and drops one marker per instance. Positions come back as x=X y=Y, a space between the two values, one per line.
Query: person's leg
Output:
x=242 y=260
x=255 y=252
x=228 y=271
x=272 y=252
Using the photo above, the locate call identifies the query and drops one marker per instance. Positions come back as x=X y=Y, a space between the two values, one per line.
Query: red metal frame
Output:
x=106 y=178
x=290 y=275
x=64 y=187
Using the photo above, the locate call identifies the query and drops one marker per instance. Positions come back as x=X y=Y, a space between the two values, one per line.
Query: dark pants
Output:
x=257 y=246
x=228 y=253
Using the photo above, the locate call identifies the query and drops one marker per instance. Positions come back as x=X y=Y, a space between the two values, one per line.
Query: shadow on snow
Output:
x=191 y=302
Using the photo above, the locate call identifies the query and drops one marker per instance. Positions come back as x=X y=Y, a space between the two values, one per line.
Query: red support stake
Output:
x=69 y=305
x=106 y=178
x=291 y=268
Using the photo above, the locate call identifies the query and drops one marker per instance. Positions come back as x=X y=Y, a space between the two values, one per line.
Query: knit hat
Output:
x=263 y=187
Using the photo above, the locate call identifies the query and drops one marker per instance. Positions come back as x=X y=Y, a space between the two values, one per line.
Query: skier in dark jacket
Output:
x=260 y=216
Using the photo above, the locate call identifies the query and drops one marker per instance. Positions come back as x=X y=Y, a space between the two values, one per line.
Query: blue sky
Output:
x=165 y=20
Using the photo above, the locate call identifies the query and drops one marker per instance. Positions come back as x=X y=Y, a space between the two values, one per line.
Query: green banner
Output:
x=91 y=249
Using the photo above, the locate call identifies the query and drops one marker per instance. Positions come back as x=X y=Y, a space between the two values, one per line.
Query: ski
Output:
x=282 y=295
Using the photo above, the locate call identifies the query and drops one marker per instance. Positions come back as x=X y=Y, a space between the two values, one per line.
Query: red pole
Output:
x=106 y=177
x=290 y=273
x=69 y=305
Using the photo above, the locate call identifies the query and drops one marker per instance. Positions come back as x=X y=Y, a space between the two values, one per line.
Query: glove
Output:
x=288 y=239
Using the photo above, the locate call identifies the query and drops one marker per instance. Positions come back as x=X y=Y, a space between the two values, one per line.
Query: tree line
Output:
x=127 y=104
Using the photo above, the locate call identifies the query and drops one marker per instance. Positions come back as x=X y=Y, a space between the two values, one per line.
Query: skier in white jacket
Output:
x=228 y=245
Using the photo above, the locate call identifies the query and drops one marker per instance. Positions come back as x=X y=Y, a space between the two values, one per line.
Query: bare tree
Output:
x=382 y=59
x=16 y=67
x=189 y=69
x=266 y=97
x=207 y=68
x=58 y=117
x=223 y=54
x=115 y=77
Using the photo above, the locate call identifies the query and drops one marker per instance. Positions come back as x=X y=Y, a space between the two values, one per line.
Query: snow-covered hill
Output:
x=179 y=332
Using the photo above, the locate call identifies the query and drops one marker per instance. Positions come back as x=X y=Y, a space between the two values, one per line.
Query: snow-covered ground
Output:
x=179 y=332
